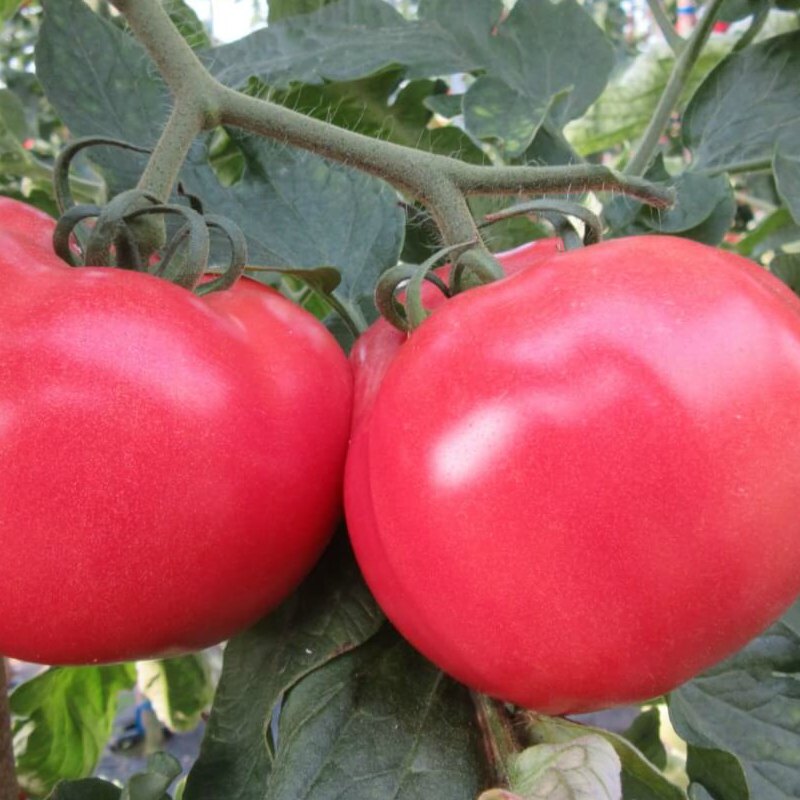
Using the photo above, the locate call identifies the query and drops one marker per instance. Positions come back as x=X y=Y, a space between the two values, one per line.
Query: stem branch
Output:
x=8 y=779
x=438 y=182
x=678 y=79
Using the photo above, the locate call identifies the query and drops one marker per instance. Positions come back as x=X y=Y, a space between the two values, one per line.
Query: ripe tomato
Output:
x=578 y=486
x=171 y=465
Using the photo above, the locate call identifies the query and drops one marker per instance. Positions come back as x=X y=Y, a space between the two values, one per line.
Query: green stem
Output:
x=681 y=72
x=8 y=779
x=665 y=24
x=439 y=182
x=739 y=168
x=164 y=165
x=499 y=742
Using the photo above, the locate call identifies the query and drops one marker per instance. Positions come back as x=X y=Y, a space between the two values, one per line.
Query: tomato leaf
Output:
x=278 y=9
x=62 y=720
x=188 y=23
x=787 y=176
x=584 y=768
x=180 y=689
x=786 y=267
x=8 y=8
x=640 y=778
x=100 y=86
x=298 y=210
x=88 y=789
x=162 y=770
x=539 y=51
x=331 y=613
x=378 y=722
x=643 y=733
x=749 y=707
x=748 y=103
x=717 y=771
x=776 y=229
x=625 y=107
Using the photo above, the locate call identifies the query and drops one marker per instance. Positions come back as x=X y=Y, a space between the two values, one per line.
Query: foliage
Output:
x=321 y=699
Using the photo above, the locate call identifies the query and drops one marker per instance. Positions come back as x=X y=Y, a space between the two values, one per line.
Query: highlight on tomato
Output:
x=171 y=464
x=577 y=487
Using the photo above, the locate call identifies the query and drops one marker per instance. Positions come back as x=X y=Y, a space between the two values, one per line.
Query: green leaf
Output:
x=188 y=23
x=493 y=110
x=697 y=199
x=748 y=104
x=786 y=267
x=749 y=707
x=641 y=779
x=541 y=49
x=379 y=722
x=162 y=770
x=717 y=772
x=644 y=734
x=299 y=210
x=278 y=9
x=704 y=208
x=776 y=229
x=330 y=614
x=585 y=768
x=103 y=84
x=624 y=109
x=62 y=721
x=180 y=689
x=385 y=107
x=786 y=167
x=88 y=789
x=12 y=116
x=8 y=8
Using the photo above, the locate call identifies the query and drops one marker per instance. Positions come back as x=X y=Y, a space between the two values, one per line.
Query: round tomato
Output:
x=171 y=466
x=578 y=487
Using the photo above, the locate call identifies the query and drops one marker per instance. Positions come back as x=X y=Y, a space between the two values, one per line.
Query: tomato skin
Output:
x=578 y=487
x=172 y=465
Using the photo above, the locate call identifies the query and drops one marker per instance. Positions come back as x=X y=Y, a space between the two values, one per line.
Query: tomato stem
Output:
x=441 y=183
x=9 y=789
x=500 y=743
x=681 y=72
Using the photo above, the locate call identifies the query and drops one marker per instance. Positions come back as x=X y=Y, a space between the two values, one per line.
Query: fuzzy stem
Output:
x=499 y=741
x=681 y=72
x=439 y=182
x=8 y=779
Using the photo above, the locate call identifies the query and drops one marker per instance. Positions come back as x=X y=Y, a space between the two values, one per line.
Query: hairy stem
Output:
x=678 y=79
x=8 y=779
x=439 y=182
x=497 y=732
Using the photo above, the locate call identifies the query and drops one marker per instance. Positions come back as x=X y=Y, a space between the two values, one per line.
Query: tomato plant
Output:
x=571 y=487
x=547 y=454
x=176 y=460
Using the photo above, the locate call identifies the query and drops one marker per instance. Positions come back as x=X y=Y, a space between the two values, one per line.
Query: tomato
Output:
x=578 y=487
x=171 y=465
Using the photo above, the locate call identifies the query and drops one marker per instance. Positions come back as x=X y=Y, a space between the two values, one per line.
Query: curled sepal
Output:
x=415 y=309
x=65 y=228
x=557 y=213
x=238 y=257
x=64 y=160
x=111 y=241
x=190 y=268
x=473 y=268
x=411 y=276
